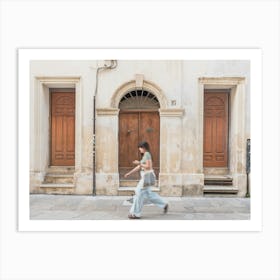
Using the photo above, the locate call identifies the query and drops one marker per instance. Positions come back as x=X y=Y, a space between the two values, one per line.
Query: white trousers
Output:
x=144 y=196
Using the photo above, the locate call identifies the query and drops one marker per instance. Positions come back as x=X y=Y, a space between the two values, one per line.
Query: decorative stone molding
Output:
x=139 y=79
x=171 y=112
x=237 y=139
x=221 y=82
x=132 y=85
x=40 y=132
x=107 y=112
x=59 y=81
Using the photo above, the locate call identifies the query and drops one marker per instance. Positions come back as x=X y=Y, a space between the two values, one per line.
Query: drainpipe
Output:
x=248 y=164
x=113 y=65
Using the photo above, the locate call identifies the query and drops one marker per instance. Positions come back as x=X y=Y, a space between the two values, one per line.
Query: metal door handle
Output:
x=149 y=129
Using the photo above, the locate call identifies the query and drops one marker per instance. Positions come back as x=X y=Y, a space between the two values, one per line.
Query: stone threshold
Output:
x=57 y=186
x=217 y=177
x=156 y=189
x=59 y=175
x=219 y=189
x=130 y=183
x=61 y=170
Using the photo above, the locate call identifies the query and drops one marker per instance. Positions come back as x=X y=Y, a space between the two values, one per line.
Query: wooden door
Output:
x=63 y=128
x=128 y=141
x=149 y=131
x=135 y=127
x=215 y=153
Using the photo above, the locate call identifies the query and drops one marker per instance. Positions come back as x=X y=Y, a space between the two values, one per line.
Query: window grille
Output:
x=139 y=99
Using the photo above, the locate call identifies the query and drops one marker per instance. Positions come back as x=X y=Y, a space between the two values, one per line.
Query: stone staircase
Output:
x=59 y=177
x=219 y=184
x=213 y=185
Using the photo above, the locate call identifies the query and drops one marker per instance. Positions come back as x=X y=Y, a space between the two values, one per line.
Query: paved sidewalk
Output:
x=74 y=207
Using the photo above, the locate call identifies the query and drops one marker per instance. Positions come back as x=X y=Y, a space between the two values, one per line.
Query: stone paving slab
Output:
x=74 y=207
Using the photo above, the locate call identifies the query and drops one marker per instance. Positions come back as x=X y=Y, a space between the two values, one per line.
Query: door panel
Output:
x=128 y=140
x=135 y=127
x=63 y=128
x=149 y=131
x=215 y=153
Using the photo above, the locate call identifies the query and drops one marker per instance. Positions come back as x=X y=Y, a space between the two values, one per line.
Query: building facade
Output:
x=195 y=115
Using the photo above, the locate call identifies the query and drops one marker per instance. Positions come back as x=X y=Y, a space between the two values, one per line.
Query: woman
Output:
x=144 y=193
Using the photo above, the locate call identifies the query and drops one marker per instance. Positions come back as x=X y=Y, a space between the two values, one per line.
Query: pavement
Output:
x=77 y=207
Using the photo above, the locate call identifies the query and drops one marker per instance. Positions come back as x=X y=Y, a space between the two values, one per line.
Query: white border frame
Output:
x=24 y=58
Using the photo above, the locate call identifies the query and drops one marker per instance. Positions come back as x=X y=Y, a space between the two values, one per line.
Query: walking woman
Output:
x=143 y=193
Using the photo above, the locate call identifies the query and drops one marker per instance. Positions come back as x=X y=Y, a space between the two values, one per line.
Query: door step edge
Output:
x=219 y=189
x=57 y=186
x=134 y=188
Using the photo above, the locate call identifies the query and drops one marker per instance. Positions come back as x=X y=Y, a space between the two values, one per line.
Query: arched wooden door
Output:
x=138 y=121
x=215 y=148
x=62 y=128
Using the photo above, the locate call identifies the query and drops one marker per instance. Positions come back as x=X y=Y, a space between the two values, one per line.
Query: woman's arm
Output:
x=147 y=165
x=132 y=171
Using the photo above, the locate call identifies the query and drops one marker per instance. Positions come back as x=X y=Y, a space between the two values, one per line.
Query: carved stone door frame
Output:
x=39 y=123
x=237 y=138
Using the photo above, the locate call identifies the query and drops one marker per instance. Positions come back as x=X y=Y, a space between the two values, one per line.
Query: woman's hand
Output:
x=132 y=171
x=136 y=162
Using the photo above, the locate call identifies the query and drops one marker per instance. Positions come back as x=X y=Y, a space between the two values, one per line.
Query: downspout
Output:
x=248 y=165
x=113 y=65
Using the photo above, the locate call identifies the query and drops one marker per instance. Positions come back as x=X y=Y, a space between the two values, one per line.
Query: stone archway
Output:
x=138 y=84
x=138 y=103
x=139 y=121
x=108 y=177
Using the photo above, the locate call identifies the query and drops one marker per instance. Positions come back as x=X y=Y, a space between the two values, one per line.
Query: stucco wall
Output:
x=178 y=82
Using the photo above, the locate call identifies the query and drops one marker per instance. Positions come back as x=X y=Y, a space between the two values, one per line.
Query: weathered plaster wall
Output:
x=165 y=74
x=181 y=151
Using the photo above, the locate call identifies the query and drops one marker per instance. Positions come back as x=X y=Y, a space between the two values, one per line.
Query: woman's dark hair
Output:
x=145 y=145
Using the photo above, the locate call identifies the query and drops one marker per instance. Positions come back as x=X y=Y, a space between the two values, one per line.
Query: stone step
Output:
x=218 y=180
x=216 y=171
x=218 y=183
x=130 y=183
x=47 y=185
x=61 y=170
x=127 y=191
x=59 y=178
x=219 y=189
x=218 y=177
